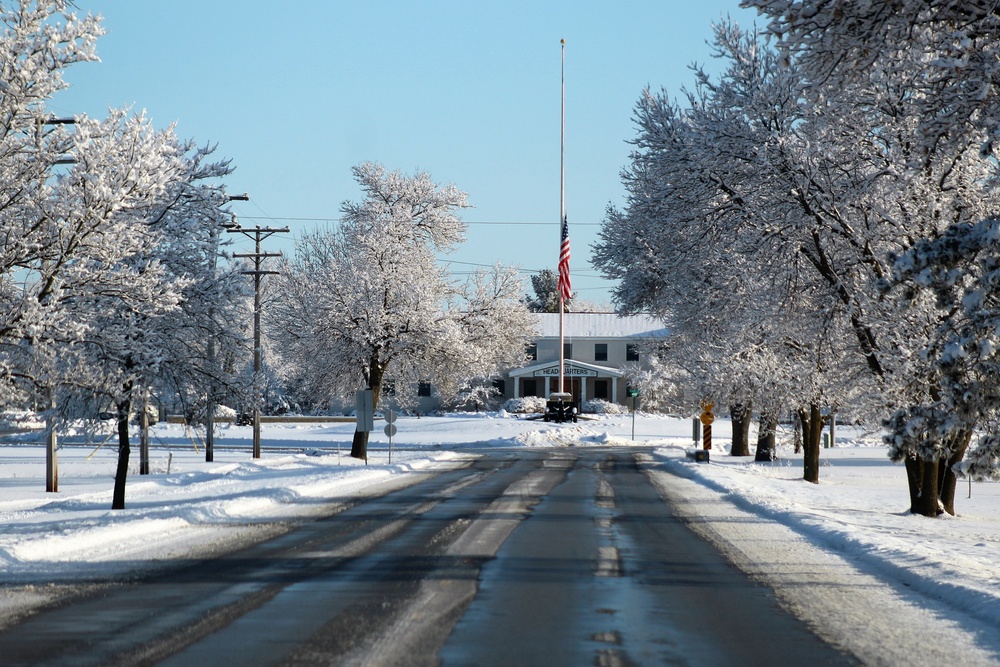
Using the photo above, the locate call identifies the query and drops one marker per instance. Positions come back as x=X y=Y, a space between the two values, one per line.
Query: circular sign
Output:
x=390 y=416
x=707 y=418
x=390 y=430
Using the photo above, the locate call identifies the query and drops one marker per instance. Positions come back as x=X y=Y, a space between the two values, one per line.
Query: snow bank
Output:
x=860 y=510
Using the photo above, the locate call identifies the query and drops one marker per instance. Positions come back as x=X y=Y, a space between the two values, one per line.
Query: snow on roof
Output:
x=599 y=325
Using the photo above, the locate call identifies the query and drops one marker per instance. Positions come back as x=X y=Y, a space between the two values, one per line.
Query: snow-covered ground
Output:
x=187 y=507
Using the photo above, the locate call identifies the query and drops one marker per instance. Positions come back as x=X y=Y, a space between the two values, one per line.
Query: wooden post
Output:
x=144 y=435
x=51 y=448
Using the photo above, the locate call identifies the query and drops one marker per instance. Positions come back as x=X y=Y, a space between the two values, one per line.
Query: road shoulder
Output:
x=877 y=621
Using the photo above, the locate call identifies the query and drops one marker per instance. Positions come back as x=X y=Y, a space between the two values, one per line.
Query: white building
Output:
x=597 y=346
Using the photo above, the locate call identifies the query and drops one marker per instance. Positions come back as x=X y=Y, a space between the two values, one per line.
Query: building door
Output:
x=570 y=385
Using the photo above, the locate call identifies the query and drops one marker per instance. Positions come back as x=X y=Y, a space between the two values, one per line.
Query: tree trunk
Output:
x=812 y=430
x=927 y=500
x=948 y=480
x=359 y=446
x=118 y=498
x=741 y=415
x=932 y=484
x=767 y=427
x=914 y=473
x=923 y=481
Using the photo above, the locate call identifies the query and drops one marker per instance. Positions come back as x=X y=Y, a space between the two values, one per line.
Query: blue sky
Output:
x=297 y=93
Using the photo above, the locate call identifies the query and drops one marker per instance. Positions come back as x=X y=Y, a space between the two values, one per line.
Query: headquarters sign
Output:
x=568 y=371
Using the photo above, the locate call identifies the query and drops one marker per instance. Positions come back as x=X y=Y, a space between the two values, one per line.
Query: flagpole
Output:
x=562 y=205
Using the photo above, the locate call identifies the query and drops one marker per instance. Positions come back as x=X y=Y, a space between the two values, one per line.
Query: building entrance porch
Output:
x=582 y=380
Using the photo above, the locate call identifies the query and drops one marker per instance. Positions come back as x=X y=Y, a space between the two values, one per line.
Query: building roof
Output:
x=569 y=366
x=599 y=325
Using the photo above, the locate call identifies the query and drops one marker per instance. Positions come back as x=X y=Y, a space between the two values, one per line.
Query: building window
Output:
x=530 y=387
x=423 y=389
x=601 y=389
x=501 y=386
x=600 y=351
x=532 y=351
x=567 y=350
x=631 y=352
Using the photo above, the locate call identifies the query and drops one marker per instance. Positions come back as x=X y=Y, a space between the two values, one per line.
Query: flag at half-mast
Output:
x=565 y=288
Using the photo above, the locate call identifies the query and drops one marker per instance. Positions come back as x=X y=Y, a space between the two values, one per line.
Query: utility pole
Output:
x=144 y=433
x=257 y=233
x=51 y=437
x=210 y=399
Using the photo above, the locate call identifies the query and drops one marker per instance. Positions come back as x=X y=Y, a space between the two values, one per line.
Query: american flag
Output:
x=565 y=288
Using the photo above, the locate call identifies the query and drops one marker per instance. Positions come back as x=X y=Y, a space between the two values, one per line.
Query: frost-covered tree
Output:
x=928 y=73
x=957 y=276
x=719 y=235
x=107 y=236
x=367 y=302
x=545 y=285
x=38 y=41
x=779 y=201
x=133 y=262
x=208 y=335
x=487 y=332
x=952 y=44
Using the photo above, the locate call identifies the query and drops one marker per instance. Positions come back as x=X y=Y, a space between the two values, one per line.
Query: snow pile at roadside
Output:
x=196 y=507
x=567 y=435
x=859 y=510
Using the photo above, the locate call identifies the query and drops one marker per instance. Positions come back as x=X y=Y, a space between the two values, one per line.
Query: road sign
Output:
x=631 y=392
x=390 y=430
x=390 y=416
x=365 y=410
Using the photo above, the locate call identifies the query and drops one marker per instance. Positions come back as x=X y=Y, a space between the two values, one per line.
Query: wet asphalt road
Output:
x=548 y=557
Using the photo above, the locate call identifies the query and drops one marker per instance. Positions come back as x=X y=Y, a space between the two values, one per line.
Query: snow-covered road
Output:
x=937 y=575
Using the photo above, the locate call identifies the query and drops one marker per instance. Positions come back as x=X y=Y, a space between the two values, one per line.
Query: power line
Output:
x=468 y=222
x=585 y=274
x=581 y=274
x=336 y=218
